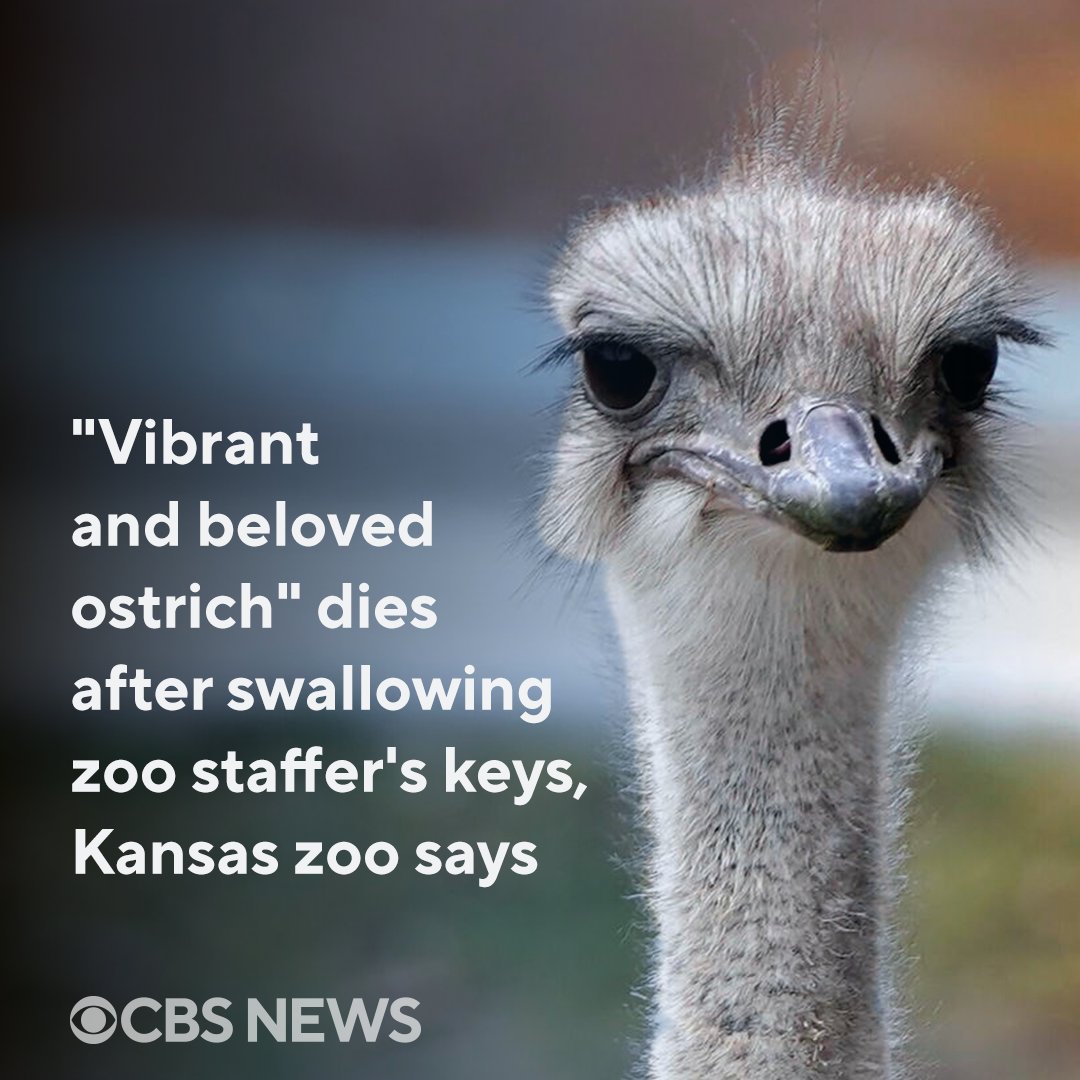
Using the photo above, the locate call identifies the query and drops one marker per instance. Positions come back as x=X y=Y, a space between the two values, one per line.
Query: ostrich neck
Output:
x=762 y=768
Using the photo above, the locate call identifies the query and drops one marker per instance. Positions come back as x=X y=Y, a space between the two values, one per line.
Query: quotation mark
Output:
x=82 y=427
x=288 y=590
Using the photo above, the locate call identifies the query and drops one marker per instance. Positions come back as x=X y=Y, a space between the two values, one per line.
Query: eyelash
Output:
x=567 y=350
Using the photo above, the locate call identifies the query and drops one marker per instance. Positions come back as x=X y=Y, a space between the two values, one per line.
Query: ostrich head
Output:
x=785 y=362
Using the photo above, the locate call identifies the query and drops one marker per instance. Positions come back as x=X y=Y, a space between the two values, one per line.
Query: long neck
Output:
x=763 y=769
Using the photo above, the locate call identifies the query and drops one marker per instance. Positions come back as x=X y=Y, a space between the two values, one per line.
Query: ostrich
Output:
x=782 y=427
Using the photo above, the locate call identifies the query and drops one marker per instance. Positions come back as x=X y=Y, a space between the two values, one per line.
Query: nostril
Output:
x=775 y=445
x=885 y=444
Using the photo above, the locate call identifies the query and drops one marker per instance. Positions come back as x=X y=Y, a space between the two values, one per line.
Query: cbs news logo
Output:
x=178 y=1020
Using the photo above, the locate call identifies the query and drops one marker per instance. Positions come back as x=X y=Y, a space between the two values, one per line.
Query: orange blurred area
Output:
x=1001 y=117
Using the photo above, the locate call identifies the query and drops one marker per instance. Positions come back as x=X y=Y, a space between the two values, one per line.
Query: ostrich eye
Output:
x=619 y=377
x=966 y=370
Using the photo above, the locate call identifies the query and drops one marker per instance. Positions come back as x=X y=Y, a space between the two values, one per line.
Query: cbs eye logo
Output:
x=93 y=1020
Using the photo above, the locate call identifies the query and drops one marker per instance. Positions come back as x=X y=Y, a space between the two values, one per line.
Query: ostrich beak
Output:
x=844 y=484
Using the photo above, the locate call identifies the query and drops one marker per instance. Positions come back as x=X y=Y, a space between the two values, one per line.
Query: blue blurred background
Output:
x=251 y=215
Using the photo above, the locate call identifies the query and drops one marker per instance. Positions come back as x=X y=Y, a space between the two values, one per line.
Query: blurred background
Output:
x=251 y=214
